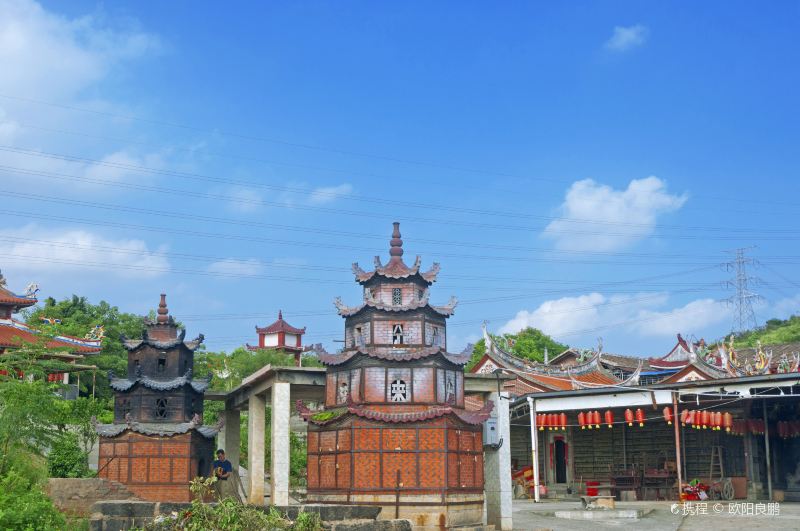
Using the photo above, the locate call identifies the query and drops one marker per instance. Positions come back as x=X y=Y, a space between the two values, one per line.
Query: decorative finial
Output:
x=396 y=249
x=2 y=280
x=280 y=315
x=163 y=312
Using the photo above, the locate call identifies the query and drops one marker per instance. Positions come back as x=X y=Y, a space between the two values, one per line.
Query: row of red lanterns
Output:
x=716 y=420
x=787 y=429
x=551 y=421
x=592 y=419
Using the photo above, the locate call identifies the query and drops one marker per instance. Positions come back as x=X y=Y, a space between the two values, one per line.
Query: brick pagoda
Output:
x=394 y=431
x=158 y=443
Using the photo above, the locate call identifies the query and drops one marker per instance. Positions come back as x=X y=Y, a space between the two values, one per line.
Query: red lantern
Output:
x=609 y=417
x=718 y=420
x=596 y=419
x=629 y=417
x=551 y=421
x=562 y=420
x=668 y=415
x=705 y=419
x=684 y=417
x=640 y=417
x=582 y=420
x=540 y=421
x=727 y=421
x=712 y=420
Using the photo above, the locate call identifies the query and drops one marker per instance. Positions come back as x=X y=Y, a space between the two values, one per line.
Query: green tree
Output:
x=77 y=317
x=528 y=343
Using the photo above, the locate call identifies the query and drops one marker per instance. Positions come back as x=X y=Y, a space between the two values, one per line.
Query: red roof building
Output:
x=14 y=333
x=280 y=335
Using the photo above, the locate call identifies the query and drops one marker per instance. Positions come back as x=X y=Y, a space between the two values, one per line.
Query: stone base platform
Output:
x=122 y=515
x=425 y=511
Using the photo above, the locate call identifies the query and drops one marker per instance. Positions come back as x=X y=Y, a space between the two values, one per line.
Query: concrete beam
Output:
x=256 y=410
x=483 y=383
x=279 y=469
x=497 y=469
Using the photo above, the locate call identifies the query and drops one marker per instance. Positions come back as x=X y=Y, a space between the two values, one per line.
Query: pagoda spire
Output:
x=163 y=311
x=396 y=244
x=280 y=315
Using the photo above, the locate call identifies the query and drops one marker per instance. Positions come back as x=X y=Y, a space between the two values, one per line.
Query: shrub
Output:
x=23 y=505
x=229 y=514
x=67 y=459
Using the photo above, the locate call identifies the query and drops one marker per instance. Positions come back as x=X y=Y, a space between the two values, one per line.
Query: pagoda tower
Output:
x=394 y=431
x=280 y=335
x=158 y=442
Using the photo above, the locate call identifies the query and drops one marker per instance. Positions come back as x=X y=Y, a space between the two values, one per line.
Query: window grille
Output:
x=398 y=391
x=397 y=296
x=161 y=408
x=397 y=334
x=343 y=391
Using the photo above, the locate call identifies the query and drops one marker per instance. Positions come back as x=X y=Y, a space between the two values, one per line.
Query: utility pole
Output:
x=744 y=318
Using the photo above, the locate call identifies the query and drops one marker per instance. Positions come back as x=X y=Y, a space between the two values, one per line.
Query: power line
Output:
x=382 y=201
x=278 y=141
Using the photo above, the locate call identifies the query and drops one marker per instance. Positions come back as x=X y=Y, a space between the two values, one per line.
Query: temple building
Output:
x=280 y=335
x=67 y=349
x=394 y=430
x=157 y=442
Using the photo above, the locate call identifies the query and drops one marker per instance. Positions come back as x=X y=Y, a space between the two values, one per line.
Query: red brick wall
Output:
x=419 y=452
x=155 y=468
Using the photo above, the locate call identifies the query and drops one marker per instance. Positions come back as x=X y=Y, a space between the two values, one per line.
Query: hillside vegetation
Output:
x=776 y=331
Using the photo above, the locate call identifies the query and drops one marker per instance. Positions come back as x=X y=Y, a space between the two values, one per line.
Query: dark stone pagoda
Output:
x=394 y=431
x=158 y=443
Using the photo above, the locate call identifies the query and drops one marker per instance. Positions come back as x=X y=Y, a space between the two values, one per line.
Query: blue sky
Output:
x=579 y=167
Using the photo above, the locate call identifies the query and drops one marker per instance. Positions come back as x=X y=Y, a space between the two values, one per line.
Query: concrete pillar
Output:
x=256 y=409
x=279 y=469
x=228 y=437
x=497 y=469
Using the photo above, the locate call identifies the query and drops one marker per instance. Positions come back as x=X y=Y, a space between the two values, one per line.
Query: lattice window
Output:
x=450 y=387
x=398 y=392
x=161 y=408
x=342 y=391
x=397 y=296
x=397 y=334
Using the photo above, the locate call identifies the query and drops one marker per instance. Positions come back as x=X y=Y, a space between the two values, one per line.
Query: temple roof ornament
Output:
x=126 y=384
x=470 y=417
x=370 y=302
x=392 y=354
x=396 y=268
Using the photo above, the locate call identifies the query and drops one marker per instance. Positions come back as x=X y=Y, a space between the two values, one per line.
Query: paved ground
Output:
x=530 y=516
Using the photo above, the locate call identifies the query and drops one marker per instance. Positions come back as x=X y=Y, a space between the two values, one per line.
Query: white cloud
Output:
x=33 y=249
x=695 y=316
x=639 y=314
x=244 y=199
x=328 y=194
x=236 y=267
x=609 y=219
x=49 y=56
x=626 y=38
